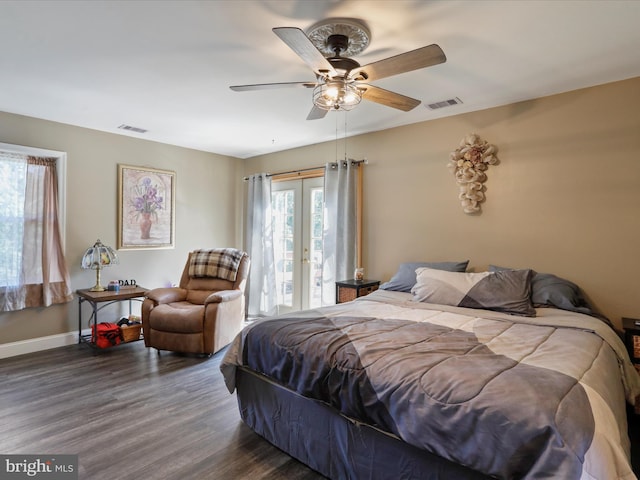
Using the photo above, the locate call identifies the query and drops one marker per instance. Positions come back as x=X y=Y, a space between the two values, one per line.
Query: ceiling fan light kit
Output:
x=341 y=83
x=336 y=95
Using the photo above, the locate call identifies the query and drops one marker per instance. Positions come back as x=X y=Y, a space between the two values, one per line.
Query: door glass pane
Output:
x=315 y=247
x=283 y=228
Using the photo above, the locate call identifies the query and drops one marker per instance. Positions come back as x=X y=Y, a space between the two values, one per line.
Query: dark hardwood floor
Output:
x=129 y=413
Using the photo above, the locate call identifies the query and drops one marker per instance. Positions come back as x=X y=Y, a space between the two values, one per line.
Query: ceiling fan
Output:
x=340 y=81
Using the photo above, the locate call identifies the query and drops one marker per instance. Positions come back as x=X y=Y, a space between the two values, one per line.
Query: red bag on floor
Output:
x=106 y=334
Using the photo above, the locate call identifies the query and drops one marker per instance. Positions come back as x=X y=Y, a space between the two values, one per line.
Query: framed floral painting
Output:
x=146 y=208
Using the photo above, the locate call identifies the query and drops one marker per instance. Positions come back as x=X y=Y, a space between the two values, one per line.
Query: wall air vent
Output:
x=444 y=103
x=132 y=129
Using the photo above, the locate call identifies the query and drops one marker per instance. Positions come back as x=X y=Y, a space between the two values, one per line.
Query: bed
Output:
x=465 y=376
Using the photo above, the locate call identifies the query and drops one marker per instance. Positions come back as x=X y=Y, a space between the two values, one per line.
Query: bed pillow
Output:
x=507 y=291
x=548 y=290
x=405 y=277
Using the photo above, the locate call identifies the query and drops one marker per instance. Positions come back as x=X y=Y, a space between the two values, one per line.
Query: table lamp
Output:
x=96 y=258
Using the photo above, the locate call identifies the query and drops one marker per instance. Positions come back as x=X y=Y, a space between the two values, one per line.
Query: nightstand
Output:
x=632 y=339
x=348 y=290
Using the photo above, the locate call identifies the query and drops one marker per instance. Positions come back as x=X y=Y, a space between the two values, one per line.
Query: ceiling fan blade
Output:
x=405 y=62
x=306 y=50
x=390 y=99
x=317 y=113
x=269 y=86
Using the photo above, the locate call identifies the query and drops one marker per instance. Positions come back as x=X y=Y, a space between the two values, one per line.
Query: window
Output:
x=33 y=272
x=12 y=181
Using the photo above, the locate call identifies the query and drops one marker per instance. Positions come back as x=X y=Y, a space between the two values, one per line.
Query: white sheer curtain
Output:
x=261 y=286
x=33 y=271
x=339 y=236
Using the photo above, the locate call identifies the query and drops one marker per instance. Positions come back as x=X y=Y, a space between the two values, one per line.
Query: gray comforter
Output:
x=508 y=396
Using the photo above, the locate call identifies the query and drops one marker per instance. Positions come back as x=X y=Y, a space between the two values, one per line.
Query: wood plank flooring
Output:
x=129 y=413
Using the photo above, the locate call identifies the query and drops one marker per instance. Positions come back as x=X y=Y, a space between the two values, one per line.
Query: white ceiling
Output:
x=166 y=66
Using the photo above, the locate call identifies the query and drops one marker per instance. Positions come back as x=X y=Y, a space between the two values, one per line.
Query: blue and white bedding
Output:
x=508 y=396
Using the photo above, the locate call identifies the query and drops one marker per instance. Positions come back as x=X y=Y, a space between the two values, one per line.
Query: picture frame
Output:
x=146 y=208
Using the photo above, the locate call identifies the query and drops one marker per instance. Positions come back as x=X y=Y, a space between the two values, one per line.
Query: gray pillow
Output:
x=405 y=277
x=548 y=290
x=507 y=291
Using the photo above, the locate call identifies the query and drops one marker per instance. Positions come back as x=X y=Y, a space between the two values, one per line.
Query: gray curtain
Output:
x=339 y=236
x=261 y=285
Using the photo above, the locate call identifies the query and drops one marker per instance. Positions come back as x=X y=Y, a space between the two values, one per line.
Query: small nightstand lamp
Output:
x=96 y=258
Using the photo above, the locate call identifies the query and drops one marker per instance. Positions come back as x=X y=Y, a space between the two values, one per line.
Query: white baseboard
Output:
x=37 y=344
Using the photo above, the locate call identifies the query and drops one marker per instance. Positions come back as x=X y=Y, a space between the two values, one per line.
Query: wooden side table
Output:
x=347 y=290
x=631 y=328
x=104 y=298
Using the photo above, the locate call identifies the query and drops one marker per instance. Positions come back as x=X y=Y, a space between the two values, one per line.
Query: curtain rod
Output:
x=353 y=162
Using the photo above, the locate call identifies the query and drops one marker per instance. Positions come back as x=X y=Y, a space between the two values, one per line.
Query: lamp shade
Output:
x=96 y=258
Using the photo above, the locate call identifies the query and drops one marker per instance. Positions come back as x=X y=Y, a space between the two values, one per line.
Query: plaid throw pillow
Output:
x=217 y=263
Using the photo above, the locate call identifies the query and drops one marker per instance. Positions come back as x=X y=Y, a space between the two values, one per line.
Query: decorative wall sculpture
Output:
x=469 y=162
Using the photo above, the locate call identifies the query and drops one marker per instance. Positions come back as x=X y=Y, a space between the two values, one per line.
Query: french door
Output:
x=297 y=237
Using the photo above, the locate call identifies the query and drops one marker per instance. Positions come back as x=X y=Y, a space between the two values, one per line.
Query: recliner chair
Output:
x=206 y=311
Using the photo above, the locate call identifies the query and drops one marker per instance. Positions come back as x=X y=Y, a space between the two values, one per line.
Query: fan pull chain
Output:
x=336 y=138
x=345 y=136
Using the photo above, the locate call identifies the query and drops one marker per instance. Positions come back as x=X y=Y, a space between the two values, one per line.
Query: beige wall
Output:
x=206 y=191
x=563 y=200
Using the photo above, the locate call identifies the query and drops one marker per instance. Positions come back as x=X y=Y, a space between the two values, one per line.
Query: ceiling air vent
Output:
x=444 y=103
x=132 y=129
